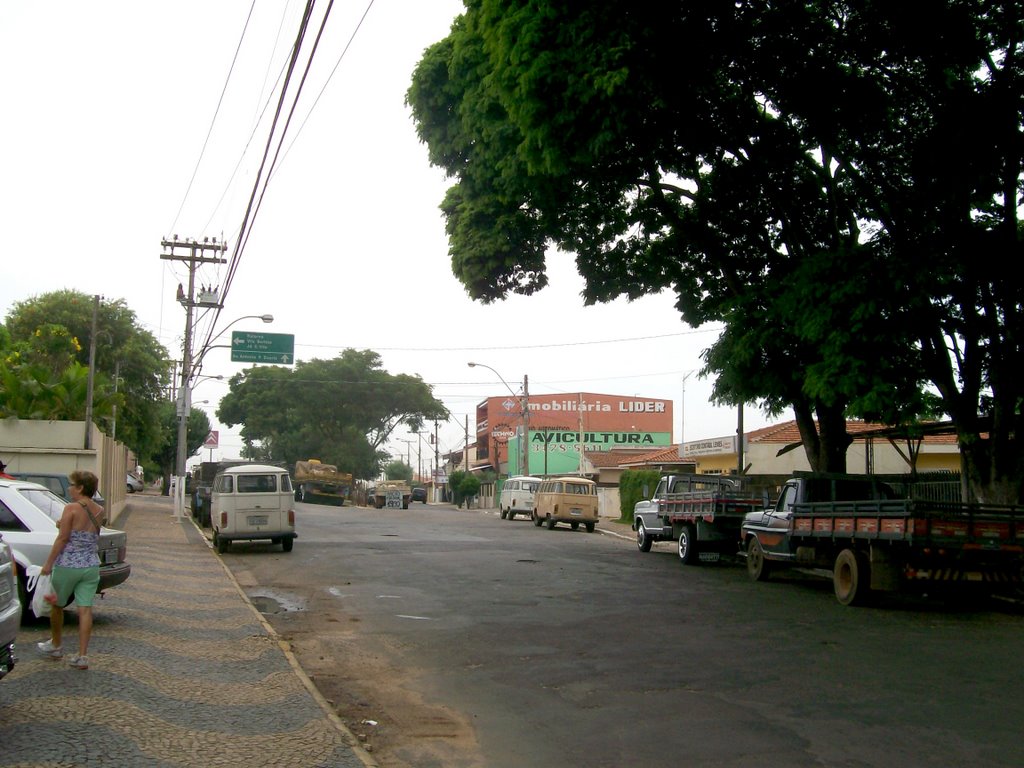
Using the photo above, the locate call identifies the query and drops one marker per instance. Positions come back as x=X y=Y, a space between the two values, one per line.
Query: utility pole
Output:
x=525 y=470
x=92 y=373
x=466 y=455
x=196 y=255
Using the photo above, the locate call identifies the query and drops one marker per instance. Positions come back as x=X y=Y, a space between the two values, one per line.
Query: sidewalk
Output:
x=183 y=672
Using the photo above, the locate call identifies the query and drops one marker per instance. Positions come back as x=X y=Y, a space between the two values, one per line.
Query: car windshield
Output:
x=47 y=501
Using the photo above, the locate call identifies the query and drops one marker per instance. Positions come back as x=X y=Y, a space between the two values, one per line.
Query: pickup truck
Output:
x=871 y=541
x=702 y=513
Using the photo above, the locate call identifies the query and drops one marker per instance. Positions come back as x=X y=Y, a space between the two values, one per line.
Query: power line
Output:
x=515 y=347
x=213 y=121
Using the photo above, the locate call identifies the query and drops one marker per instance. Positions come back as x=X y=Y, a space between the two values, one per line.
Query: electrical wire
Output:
x=251 y=207
x=213 y=121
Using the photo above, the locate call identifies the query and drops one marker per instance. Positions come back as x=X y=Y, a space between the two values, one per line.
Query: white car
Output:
x=10 y=609
x=134 y=484
x=29 y=514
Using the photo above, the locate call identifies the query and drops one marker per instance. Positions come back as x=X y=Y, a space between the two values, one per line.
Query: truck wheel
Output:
x=287 y=544
x=551 y=523
x=590 y=527
x=221 y=543
x=851 y=578
x=504 y=514
x=758 y=568
x=688 y=545
x=574 y=525
x=643 y=539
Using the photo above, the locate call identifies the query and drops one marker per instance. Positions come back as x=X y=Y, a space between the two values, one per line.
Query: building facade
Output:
x=558 y=430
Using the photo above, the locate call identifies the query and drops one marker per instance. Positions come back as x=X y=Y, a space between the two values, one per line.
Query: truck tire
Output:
x=504 y=514
x=536 y=520
x=287 y=544
x=758 y=567
x=851 y=578
x=589 y=526
x=643 y=539
x=688 y=545
x=551 y=523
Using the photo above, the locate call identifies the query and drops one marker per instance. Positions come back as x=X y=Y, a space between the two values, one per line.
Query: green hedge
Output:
x=631 y=490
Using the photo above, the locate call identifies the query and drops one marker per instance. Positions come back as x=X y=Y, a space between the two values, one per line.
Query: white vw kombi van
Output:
x=251 y=502
x=517 y=496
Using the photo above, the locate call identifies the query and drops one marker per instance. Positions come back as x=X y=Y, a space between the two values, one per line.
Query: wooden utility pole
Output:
x=195 y=255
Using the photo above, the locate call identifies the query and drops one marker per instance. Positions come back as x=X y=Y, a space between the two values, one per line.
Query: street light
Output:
x=524 y=404
x=185 y=400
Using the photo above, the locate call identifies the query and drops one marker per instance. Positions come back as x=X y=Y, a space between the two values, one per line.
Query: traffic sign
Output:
x=213 y=439
x=249 y=347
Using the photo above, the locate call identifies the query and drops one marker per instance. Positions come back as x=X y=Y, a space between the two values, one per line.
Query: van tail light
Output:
x=291 y=517
x=223 y=519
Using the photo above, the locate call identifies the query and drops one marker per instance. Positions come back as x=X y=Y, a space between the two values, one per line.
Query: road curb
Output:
x=350 y=738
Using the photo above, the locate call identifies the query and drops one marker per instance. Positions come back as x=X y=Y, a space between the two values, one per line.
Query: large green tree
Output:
x=340 y=411
x=123 y=349
x=836 y=186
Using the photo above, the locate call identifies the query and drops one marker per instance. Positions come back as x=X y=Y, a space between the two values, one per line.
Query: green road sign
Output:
x=248 y=347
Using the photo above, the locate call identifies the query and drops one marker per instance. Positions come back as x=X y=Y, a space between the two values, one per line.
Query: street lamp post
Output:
x=185 y=398
x=524 y=404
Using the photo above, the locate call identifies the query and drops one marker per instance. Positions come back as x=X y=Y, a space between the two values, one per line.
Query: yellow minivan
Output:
x=571 y=500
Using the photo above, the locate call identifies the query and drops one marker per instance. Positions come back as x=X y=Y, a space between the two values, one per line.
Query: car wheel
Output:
x=590 y=527
x=536 y=520
x=688 y=545
x=574 y=525
x=551 y=523
x=643 y=539
x=504 y=513
x=221 y=543
x=851 y=578
x=287 y=544
x=758 y=568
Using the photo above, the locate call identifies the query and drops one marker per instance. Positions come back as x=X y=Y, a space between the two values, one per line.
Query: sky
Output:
x=123 y=128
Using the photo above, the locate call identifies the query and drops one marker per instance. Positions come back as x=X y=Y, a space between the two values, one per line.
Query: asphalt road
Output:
x=564 y=648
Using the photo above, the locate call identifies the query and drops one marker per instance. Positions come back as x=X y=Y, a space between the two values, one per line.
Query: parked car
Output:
x=29 y=514
x=134 y=484
x=56 y=482
x=517 y=496
x=571 y=500
x=250 y=502
x=419 y=493
x=10 y=608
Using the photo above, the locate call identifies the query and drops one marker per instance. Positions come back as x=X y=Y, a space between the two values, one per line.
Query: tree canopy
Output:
x=340 y=411
x=836 y=186
x=45 y=367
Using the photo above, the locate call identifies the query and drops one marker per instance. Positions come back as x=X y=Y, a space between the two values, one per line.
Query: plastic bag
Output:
x=39 y=586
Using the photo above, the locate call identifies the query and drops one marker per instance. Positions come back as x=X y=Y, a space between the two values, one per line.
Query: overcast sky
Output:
x=109 y=107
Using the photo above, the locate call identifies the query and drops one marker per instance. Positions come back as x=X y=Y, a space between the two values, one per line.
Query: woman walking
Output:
x=74 y=567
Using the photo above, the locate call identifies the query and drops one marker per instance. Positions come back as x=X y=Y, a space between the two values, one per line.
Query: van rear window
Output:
x=257 y=483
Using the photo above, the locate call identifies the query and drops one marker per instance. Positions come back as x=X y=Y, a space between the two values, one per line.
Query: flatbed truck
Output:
x=873 y=542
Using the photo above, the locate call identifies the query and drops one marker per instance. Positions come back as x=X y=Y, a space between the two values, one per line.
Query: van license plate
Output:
x=576 y=511
x=258 y=519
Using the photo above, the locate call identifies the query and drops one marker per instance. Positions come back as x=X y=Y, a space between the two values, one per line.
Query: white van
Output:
x=517 y=496
x=252 y=501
